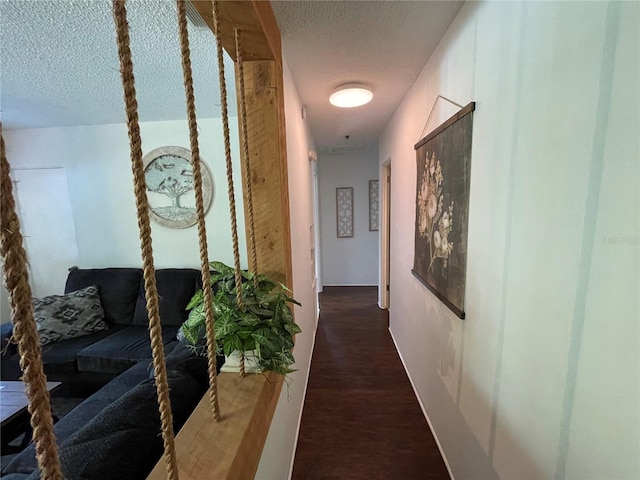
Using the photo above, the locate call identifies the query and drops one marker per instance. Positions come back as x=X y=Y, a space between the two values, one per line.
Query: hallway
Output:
x=361 y=419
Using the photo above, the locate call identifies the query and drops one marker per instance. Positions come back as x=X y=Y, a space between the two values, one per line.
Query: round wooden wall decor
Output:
x=169 y=177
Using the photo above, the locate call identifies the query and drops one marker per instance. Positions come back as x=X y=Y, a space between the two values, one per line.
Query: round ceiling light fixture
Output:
x=351 y=95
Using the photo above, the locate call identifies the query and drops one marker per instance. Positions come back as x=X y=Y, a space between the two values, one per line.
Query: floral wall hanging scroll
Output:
x=442 y=209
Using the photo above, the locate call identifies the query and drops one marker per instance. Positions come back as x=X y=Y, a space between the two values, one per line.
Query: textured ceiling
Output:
x=384 y=44
x=59 y=64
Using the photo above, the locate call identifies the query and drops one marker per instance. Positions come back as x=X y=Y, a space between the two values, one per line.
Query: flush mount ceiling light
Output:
x=350 y=95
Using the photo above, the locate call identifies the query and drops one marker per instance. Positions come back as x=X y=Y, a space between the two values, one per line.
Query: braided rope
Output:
x=227 y=151
x=16 y=278
x=151 y=291
x=247 y=164
x=197 y=184
x=242 y=372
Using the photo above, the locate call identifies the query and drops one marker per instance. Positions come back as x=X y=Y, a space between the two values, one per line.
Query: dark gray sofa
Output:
x=115 y=432
x=86 y=363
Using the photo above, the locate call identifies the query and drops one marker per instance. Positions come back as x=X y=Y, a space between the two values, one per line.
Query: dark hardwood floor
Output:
x=361 y=419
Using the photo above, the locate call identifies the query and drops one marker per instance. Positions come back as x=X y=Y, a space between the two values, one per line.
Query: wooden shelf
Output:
x=230 y=449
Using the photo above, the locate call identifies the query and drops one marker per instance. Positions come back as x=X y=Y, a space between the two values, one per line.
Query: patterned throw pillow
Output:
x=60 y=317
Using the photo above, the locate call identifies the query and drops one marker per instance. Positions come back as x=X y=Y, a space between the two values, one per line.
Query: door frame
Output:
x=385 y=236
x=315 y=240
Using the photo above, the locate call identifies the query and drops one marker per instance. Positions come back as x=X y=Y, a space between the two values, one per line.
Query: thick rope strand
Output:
x=16 y=278
x=151 y=292
x=247 y=163
x=202 y=231
x=227 y=151
x=242 y=371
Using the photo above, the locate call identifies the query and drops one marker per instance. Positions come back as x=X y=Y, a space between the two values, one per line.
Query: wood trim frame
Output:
x=470 y=107
x=266 y=124
x=232 y=448
x=260 y=32
x=385 y=235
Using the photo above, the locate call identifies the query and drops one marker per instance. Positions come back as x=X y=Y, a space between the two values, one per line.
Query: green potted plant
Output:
x=264 y=331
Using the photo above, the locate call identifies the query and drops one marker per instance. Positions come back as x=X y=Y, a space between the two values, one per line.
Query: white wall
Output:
x=348 y=261
x=46 y=223
x=542 y=378
x=277 y=457
x=100 y=183
x=5 y=308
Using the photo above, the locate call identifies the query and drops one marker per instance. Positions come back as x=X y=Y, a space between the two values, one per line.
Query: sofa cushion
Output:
x=25 y=462
x=124 y=440
x=119 y=437
x=75 y=314
x=61 y=357
x=192 y=360
x=118 y=290
x=6 y=332
x=9 y=366
x=121 y=350
x=175 y=286
x=101 y=399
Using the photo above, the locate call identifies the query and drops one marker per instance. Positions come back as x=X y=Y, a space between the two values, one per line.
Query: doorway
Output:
x=385 y=241
x=316 y=260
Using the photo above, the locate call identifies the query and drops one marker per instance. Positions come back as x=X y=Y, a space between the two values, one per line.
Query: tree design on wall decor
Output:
x=442 y=209
x=172 y=176
x=169 y=175
x=344 y=211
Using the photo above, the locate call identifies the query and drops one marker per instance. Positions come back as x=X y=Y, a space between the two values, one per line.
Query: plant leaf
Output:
x=292 y=328
x=221 y=268
x=261 y=336
x=195 y=300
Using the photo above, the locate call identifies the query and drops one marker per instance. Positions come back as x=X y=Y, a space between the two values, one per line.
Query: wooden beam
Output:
x=268 y=164
x=270 y=28
x=232 y=448
x=266 y=125
x=260 y=32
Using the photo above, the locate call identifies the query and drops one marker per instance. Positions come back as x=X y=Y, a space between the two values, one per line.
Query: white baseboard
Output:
x=350 y=285
x=424 y=410
x=304 y=397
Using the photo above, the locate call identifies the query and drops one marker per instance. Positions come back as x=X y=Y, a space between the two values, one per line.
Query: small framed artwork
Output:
x=344 y=212
x=374 y=205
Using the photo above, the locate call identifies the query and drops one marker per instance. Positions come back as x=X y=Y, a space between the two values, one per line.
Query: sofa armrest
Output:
x=6 y=347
